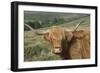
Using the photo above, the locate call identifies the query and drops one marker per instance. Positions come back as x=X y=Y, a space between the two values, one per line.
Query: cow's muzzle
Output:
x=57 y=50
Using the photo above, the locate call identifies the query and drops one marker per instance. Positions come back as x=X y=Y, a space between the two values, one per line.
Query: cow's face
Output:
x=56 y=37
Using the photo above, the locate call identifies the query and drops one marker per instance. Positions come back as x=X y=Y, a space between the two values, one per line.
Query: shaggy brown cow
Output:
x=69 y=44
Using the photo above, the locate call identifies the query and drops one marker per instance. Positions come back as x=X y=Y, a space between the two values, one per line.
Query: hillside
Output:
x=47 y=19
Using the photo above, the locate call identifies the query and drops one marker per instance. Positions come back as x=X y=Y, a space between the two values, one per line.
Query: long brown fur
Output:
x=78 y=47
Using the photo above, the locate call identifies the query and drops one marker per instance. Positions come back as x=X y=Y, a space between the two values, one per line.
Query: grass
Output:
x=36 y=48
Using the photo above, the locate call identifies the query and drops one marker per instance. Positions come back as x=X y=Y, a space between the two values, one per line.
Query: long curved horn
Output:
x=77 y=26
x=29 y=27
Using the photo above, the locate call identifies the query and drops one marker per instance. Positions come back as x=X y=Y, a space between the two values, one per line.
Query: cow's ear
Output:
x=42 y=32
x=46 y=36
x=68 y=35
